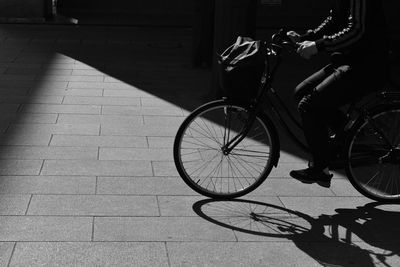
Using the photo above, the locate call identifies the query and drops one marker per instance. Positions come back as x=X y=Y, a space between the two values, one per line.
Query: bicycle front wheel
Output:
x=373 y=155
x=200 y=158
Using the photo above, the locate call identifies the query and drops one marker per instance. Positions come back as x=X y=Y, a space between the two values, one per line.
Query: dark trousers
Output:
x=319 y=98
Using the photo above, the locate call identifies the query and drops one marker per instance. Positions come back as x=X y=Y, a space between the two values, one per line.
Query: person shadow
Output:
x=361 y=236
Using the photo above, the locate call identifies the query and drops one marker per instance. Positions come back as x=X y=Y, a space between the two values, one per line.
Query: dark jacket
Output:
x=356 y=28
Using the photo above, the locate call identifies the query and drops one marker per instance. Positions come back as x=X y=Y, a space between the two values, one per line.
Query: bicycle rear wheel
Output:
x=373 y=155
x=201 y=161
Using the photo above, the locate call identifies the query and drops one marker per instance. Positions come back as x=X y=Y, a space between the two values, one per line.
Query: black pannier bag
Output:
x=240 y=69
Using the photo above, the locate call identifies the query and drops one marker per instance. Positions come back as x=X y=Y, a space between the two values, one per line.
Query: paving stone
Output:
x=238 y=254
x=164 y=168
x=47 y=184
x=148 y=154
x=13 y=204
x=41 y=228
x=143 y=186
x=293 y=157
x=60 y=77
x=71 y=66
x=158 y=229
x=81 y=72
x=156 y=102
x=71 y=92
x=7 y=118
x=14 y=91
x=46 y=85
x=144 y=130
x=290 y=187
x=19 y=65
x=6 y=107
x=283 y=169
x=55 y=59
x=25 y=139
x=98 y=141
x=85 y=100
x=91 y=205
x=6 y=250
x=52 y=72
x=22 y=71
x=17 y=77
x=100 y=119
x=47 y=152
x=33 y=99
x=343 y=188
x=17 y=84
x=89 y=254
x=111 y=79
x=161 y=142
x=28 y=118
x=163 y=120
x=134 y=92
x=20 y=167
x=139 y=111
x=83 y=129
x=97 y=167
x=49 y=108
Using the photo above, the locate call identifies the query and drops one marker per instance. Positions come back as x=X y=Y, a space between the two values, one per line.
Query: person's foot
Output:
x=312 y=175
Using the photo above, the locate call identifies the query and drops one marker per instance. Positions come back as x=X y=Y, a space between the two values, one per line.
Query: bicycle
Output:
x=226 y=148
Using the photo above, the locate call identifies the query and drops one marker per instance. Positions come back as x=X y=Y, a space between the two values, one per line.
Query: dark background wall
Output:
x=271 y=13
x=21 y=8
x=180 y=12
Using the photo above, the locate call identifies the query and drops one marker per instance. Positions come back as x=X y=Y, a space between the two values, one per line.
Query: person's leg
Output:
x=323 y=102
x=334 y=118
x=308 y=85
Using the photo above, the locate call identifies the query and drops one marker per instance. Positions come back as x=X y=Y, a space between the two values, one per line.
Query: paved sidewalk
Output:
x=88 y=116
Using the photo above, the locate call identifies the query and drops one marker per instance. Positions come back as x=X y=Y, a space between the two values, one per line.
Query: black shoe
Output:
x=311 y=175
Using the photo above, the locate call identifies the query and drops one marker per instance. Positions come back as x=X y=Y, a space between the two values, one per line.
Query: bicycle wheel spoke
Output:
x=206 y=136
x=246 y=170
x=212 y=132
x=259 y=163
x=211 y=175
x=203 y=165
x=239 y=172
x=197 y=144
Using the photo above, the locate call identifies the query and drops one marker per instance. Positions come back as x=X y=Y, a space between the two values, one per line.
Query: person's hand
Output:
x=293 y=36
x=307 y=49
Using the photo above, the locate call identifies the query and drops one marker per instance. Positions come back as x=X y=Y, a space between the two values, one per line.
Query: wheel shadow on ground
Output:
x=360 y=236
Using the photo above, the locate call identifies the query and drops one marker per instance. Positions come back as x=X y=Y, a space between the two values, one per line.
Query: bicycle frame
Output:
x=275 y=103
x=257 y=104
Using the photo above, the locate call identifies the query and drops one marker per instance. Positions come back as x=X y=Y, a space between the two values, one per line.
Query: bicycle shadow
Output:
x=361 y=236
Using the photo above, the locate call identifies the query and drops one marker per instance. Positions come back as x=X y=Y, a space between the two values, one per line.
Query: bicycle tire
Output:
x=217 y=175
x=365 y=150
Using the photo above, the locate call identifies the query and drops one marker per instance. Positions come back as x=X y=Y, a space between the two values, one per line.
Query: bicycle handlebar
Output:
x=281 y=40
